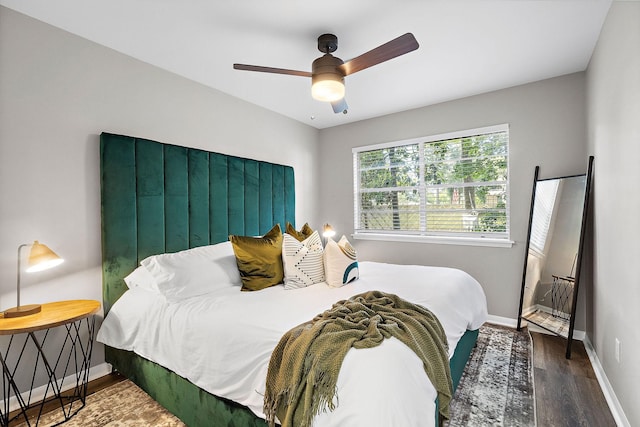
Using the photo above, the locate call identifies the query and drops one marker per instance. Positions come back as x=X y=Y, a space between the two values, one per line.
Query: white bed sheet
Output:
x=222 y=341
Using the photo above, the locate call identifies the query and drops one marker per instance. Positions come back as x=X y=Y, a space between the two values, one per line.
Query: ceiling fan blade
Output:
x=340 y=106
x=246 y=67
x=396 y=47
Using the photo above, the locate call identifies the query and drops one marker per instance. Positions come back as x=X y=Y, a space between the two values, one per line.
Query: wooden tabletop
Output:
x=53 y=314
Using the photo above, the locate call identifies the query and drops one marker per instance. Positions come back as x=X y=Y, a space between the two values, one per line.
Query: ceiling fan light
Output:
x=328 y=90
x=327 y=79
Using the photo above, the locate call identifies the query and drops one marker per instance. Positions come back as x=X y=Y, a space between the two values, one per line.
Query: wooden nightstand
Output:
x=70 y=366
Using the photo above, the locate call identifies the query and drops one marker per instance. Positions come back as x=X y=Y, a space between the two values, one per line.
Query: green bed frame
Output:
x=159 y=198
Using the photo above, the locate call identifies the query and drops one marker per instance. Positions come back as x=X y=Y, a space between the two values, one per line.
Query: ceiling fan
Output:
x=328 y=72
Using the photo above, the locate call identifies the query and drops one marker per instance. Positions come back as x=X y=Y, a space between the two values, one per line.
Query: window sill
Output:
x=440 y=240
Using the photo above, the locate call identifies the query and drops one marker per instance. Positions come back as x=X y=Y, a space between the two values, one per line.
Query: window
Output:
x=443 y=186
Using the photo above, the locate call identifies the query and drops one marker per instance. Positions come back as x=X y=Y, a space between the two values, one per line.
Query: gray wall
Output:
x=547 y=128
x=57 y=93
x=613 y=88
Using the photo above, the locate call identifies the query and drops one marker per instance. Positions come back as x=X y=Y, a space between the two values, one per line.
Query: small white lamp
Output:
x=40 y=258
x=327 y=232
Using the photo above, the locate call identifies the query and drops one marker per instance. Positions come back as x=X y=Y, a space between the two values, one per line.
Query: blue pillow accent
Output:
x=349 y=274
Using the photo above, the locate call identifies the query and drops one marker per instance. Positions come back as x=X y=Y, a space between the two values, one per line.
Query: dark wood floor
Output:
x=567 y=391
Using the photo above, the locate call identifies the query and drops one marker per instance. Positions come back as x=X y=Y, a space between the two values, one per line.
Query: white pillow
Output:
x=340 y=262
x=141 y=278
x=302 y=261
x=194 y=272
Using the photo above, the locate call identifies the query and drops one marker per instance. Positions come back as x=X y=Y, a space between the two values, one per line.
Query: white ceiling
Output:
x=467 y=47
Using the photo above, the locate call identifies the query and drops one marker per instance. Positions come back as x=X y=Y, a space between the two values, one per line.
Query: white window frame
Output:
x=415 y=236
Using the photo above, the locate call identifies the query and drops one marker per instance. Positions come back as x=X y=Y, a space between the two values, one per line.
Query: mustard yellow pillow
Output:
x=304 y=233
x=259 y=259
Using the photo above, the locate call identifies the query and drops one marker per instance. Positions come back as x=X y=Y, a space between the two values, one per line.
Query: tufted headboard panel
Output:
x=159 y=198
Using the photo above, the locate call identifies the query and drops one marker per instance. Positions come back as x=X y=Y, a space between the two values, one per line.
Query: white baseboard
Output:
x=502 y=321
x=69 y=382
x=605 y=385
x=100 y=370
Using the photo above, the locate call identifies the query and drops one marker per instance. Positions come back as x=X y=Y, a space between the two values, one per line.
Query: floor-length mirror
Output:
x=551 y=273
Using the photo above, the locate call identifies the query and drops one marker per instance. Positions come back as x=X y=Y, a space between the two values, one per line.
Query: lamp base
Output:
x=23 y=310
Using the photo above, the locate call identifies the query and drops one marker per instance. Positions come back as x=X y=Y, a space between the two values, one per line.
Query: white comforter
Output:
x=222 y=341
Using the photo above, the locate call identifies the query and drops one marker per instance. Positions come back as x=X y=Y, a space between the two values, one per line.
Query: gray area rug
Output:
x=496 y=388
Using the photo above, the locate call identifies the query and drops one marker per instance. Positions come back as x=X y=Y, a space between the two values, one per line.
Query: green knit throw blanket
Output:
x=304 y=366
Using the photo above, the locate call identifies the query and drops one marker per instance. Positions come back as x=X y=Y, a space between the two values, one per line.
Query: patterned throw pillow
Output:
x=340 y=262
x=302 y=261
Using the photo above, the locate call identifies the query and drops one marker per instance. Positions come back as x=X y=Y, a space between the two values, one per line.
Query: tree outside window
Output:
x=450 y=185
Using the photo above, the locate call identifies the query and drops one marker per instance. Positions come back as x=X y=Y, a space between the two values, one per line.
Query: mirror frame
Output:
x=583 y=229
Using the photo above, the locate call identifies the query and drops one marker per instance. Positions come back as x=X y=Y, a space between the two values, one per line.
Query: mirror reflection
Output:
x=554 y=242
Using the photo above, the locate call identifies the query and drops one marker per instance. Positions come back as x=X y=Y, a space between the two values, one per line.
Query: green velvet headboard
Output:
x=159 y=198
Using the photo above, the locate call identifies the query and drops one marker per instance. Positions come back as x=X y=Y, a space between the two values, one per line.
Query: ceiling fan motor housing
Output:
x=327 y=43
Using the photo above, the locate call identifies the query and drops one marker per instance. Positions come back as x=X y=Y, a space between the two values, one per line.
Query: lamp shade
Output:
x=328 y=90
x=42 y=258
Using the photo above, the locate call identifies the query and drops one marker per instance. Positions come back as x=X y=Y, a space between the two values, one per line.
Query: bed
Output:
x=159 y=198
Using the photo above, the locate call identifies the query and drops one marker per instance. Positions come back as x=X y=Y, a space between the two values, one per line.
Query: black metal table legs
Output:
x=66 y=379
